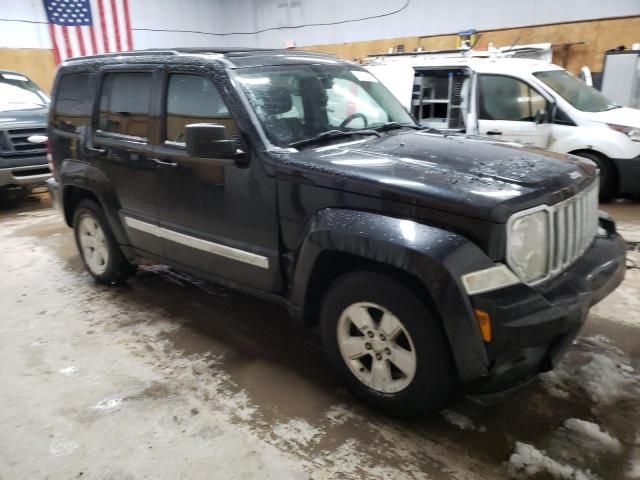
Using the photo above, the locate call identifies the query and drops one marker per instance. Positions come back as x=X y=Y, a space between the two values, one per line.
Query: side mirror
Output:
x=541 y=117
x=209 y=140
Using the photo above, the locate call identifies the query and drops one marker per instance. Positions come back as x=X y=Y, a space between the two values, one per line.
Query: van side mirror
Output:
x=547 y=114
x=541 y=117
x=209 y=140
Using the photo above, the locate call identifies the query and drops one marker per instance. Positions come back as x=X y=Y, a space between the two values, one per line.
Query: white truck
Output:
x=521 y=100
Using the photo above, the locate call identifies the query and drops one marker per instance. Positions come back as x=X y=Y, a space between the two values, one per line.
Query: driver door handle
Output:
x=494 y=132
x=164 y=163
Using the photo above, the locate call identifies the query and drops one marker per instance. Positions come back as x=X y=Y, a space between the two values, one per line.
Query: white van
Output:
x=521 y=100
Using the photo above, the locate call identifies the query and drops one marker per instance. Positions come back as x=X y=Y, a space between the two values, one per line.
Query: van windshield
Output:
x=295 y=103
x=17 y=92
x=575 y=91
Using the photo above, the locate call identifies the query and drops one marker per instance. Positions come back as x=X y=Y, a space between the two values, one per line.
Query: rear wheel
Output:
x=98 y=248
x=607 y=174
x=386 y=344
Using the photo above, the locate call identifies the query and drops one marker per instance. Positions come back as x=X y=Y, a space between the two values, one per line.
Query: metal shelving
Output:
x=428 y=99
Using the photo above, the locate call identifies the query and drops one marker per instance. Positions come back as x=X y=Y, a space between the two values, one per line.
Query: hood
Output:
x=13 y=118
x=471 y=176
x=628 y=117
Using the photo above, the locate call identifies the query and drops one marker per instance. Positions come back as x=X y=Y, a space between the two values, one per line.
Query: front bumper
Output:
x=628 y=175
x=25 y=176
x=532 y=326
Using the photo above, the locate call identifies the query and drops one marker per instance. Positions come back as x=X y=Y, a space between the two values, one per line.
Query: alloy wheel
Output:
x=376 y=347
x=93 y=244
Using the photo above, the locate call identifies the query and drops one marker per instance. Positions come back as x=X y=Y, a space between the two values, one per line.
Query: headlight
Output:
x=528 y=245
x=631 y=132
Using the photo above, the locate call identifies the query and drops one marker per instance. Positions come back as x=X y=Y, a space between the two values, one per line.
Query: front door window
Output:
x=194 y=99
x=511 y=109
x=507 y=98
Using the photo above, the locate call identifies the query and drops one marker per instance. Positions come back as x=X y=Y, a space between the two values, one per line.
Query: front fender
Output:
x=436 y=257
x=599 y=138
x=84 y=175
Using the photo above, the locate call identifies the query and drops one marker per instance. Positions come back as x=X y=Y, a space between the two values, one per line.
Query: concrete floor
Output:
x=171 y=378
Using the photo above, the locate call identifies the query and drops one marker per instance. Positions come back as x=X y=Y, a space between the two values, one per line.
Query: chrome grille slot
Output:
x=560 y=229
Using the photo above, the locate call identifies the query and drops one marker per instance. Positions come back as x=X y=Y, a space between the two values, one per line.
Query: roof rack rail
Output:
x=135 y=53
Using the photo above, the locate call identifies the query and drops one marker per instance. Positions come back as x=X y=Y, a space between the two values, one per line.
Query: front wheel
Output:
x=386 y=344
x=98 y=248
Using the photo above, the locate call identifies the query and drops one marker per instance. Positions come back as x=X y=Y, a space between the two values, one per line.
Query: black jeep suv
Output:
x=431 y=262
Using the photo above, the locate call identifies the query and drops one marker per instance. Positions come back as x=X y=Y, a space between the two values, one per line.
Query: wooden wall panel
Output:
x=36 y=63
x=597 y=35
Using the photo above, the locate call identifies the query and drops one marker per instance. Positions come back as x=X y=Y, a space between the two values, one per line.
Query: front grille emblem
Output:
x=37 y=139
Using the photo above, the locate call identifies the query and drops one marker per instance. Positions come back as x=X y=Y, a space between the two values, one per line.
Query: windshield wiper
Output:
x=395 y=125
x=331 y=134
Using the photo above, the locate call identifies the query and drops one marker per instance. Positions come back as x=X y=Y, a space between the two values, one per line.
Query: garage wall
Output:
x=597 y=37
x=176 y=22
x=25 y=43
x=37 y=63
x=421 y=17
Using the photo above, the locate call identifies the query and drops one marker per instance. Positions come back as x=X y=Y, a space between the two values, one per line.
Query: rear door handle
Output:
x=494 y=132
x=164 y=163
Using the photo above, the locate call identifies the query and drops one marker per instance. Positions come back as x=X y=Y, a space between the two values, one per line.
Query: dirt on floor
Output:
x=169 y=377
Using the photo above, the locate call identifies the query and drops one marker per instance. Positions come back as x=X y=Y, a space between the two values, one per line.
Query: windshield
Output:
x=575 y=91
x=17 y=92
x=298 y=102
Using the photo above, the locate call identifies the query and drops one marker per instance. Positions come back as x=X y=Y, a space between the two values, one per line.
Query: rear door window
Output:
x=125 y=104
x=73 y=100
x=194 y=99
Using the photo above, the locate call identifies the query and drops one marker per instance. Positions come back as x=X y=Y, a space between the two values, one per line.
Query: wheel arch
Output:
x=332 y=264
x=604 y=158
x=428 y=259
x=82 y=180
x=71 y=197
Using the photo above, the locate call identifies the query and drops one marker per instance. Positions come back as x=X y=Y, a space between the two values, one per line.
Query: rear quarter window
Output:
x=73 y=101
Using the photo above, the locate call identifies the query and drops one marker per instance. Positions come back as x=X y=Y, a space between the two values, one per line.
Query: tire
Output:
x=607 y=174
x=11 y=197
x=98 y=248
x=394 y=388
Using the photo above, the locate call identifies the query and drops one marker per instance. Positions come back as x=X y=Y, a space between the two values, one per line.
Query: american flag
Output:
x=88 y=27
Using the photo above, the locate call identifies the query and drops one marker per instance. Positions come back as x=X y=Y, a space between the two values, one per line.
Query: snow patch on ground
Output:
x=595 y=368
x=339 y=414
x=634 y=469
x=527 y=461
x=60 y=448
x=297 y=432
x=69 y=371
x=458 y=420
x=350 y=461
x=109 y=404
x=593 y=436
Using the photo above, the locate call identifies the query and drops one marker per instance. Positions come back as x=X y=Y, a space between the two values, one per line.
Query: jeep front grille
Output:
x=569 y=229
x=14 y=142
x=574 y=224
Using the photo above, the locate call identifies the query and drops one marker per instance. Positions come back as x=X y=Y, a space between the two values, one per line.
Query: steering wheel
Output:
x=351 y=118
